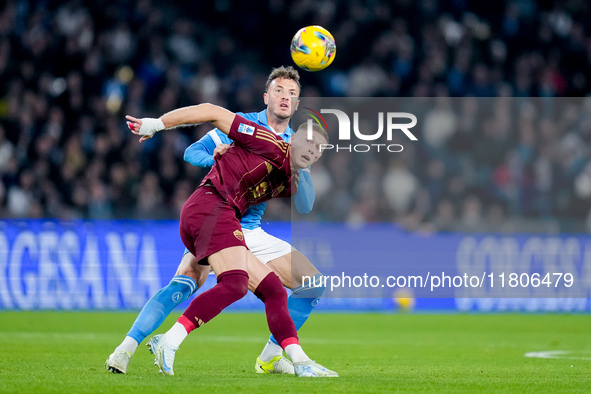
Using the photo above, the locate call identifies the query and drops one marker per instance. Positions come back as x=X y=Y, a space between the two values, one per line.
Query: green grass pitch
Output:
x=64 y=352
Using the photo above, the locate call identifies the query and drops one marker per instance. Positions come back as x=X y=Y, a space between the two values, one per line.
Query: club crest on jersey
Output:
x=238 y=234
x=246 y=129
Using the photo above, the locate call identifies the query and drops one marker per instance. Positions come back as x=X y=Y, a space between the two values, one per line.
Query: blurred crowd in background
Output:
x=71 y=70
x=480 y=164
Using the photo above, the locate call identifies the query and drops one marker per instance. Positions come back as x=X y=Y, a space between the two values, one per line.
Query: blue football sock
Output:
x=302 y=301
x=160 y=305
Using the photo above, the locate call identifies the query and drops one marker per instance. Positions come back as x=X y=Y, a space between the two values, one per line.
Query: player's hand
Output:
x=146 y=127
x=221 y=149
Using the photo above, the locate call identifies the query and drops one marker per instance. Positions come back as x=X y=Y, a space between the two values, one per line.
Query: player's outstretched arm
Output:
x=195 y=114
x=305 y=196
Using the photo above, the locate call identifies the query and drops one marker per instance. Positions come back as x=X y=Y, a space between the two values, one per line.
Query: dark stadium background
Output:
x=70 y=71
x=498 y=183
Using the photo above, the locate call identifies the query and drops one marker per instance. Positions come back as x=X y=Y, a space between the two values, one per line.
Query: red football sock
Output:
x=232 y=285
x=272 y=293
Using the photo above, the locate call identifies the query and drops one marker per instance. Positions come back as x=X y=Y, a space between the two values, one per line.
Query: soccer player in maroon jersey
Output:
x=258 y=167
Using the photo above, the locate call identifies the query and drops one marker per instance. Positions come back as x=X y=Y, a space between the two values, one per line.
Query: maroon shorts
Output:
x=209 y=224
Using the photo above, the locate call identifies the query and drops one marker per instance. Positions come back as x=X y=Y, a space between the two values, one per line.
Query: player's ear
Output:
x=297 y=104
x=265 y=98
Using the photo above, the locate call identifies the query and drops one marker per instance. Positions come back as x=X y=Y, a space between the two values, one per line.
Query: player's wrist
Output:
x=151 y=126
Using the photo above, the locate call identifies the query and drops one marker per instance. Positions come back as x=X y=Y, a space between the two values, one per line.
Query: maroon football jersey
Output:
x=255 y=169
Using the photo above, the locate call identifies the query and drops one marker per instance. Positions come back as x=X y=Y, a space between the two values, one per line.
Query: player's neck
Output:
x=279 y=125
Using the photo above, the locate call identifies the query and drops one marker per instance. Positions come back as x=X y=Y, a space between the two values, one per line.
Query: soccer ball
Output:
x=313 y=48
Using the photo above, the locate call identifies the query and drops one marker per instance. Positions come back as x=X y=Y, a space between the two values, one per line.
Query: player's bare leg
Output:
x=292 y=267
x=188 y=278
x=190 y=267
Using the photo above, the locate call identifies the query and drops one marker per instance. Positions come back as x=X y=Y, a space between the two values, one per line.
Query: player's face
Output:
x=282 y=98
x=305 y=152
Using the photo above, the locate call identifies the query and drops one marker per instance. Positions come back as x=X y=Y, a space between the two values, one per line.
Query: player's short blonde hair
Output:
x=284 y=72
x=315 y=127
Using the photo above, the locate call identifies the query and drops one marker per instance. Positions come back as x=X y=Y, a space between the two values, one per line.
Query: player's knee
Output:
x=242 y=287
x=234 y=282
x=198 y=273
x=312 y=287
x=271 y=288
x=190 y=267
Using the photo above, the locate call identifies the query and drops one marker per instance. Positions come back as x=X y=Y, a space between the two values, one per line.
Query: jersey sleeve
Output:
x=305 y=196
x=200 y=153
x=260 y=141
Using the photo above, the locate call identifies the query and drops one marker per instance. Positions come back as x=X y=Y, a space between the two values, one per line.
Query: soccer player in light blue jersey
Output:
x=281 y=97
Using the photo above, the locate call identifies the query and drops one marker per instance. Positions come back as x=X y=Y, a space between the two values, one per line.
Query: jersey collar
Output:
x=262 y=119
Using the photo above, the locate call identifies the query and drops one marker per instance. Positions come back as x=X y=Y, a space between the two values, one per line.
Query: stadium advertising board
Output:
x=480 y=272
x=120 y=264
